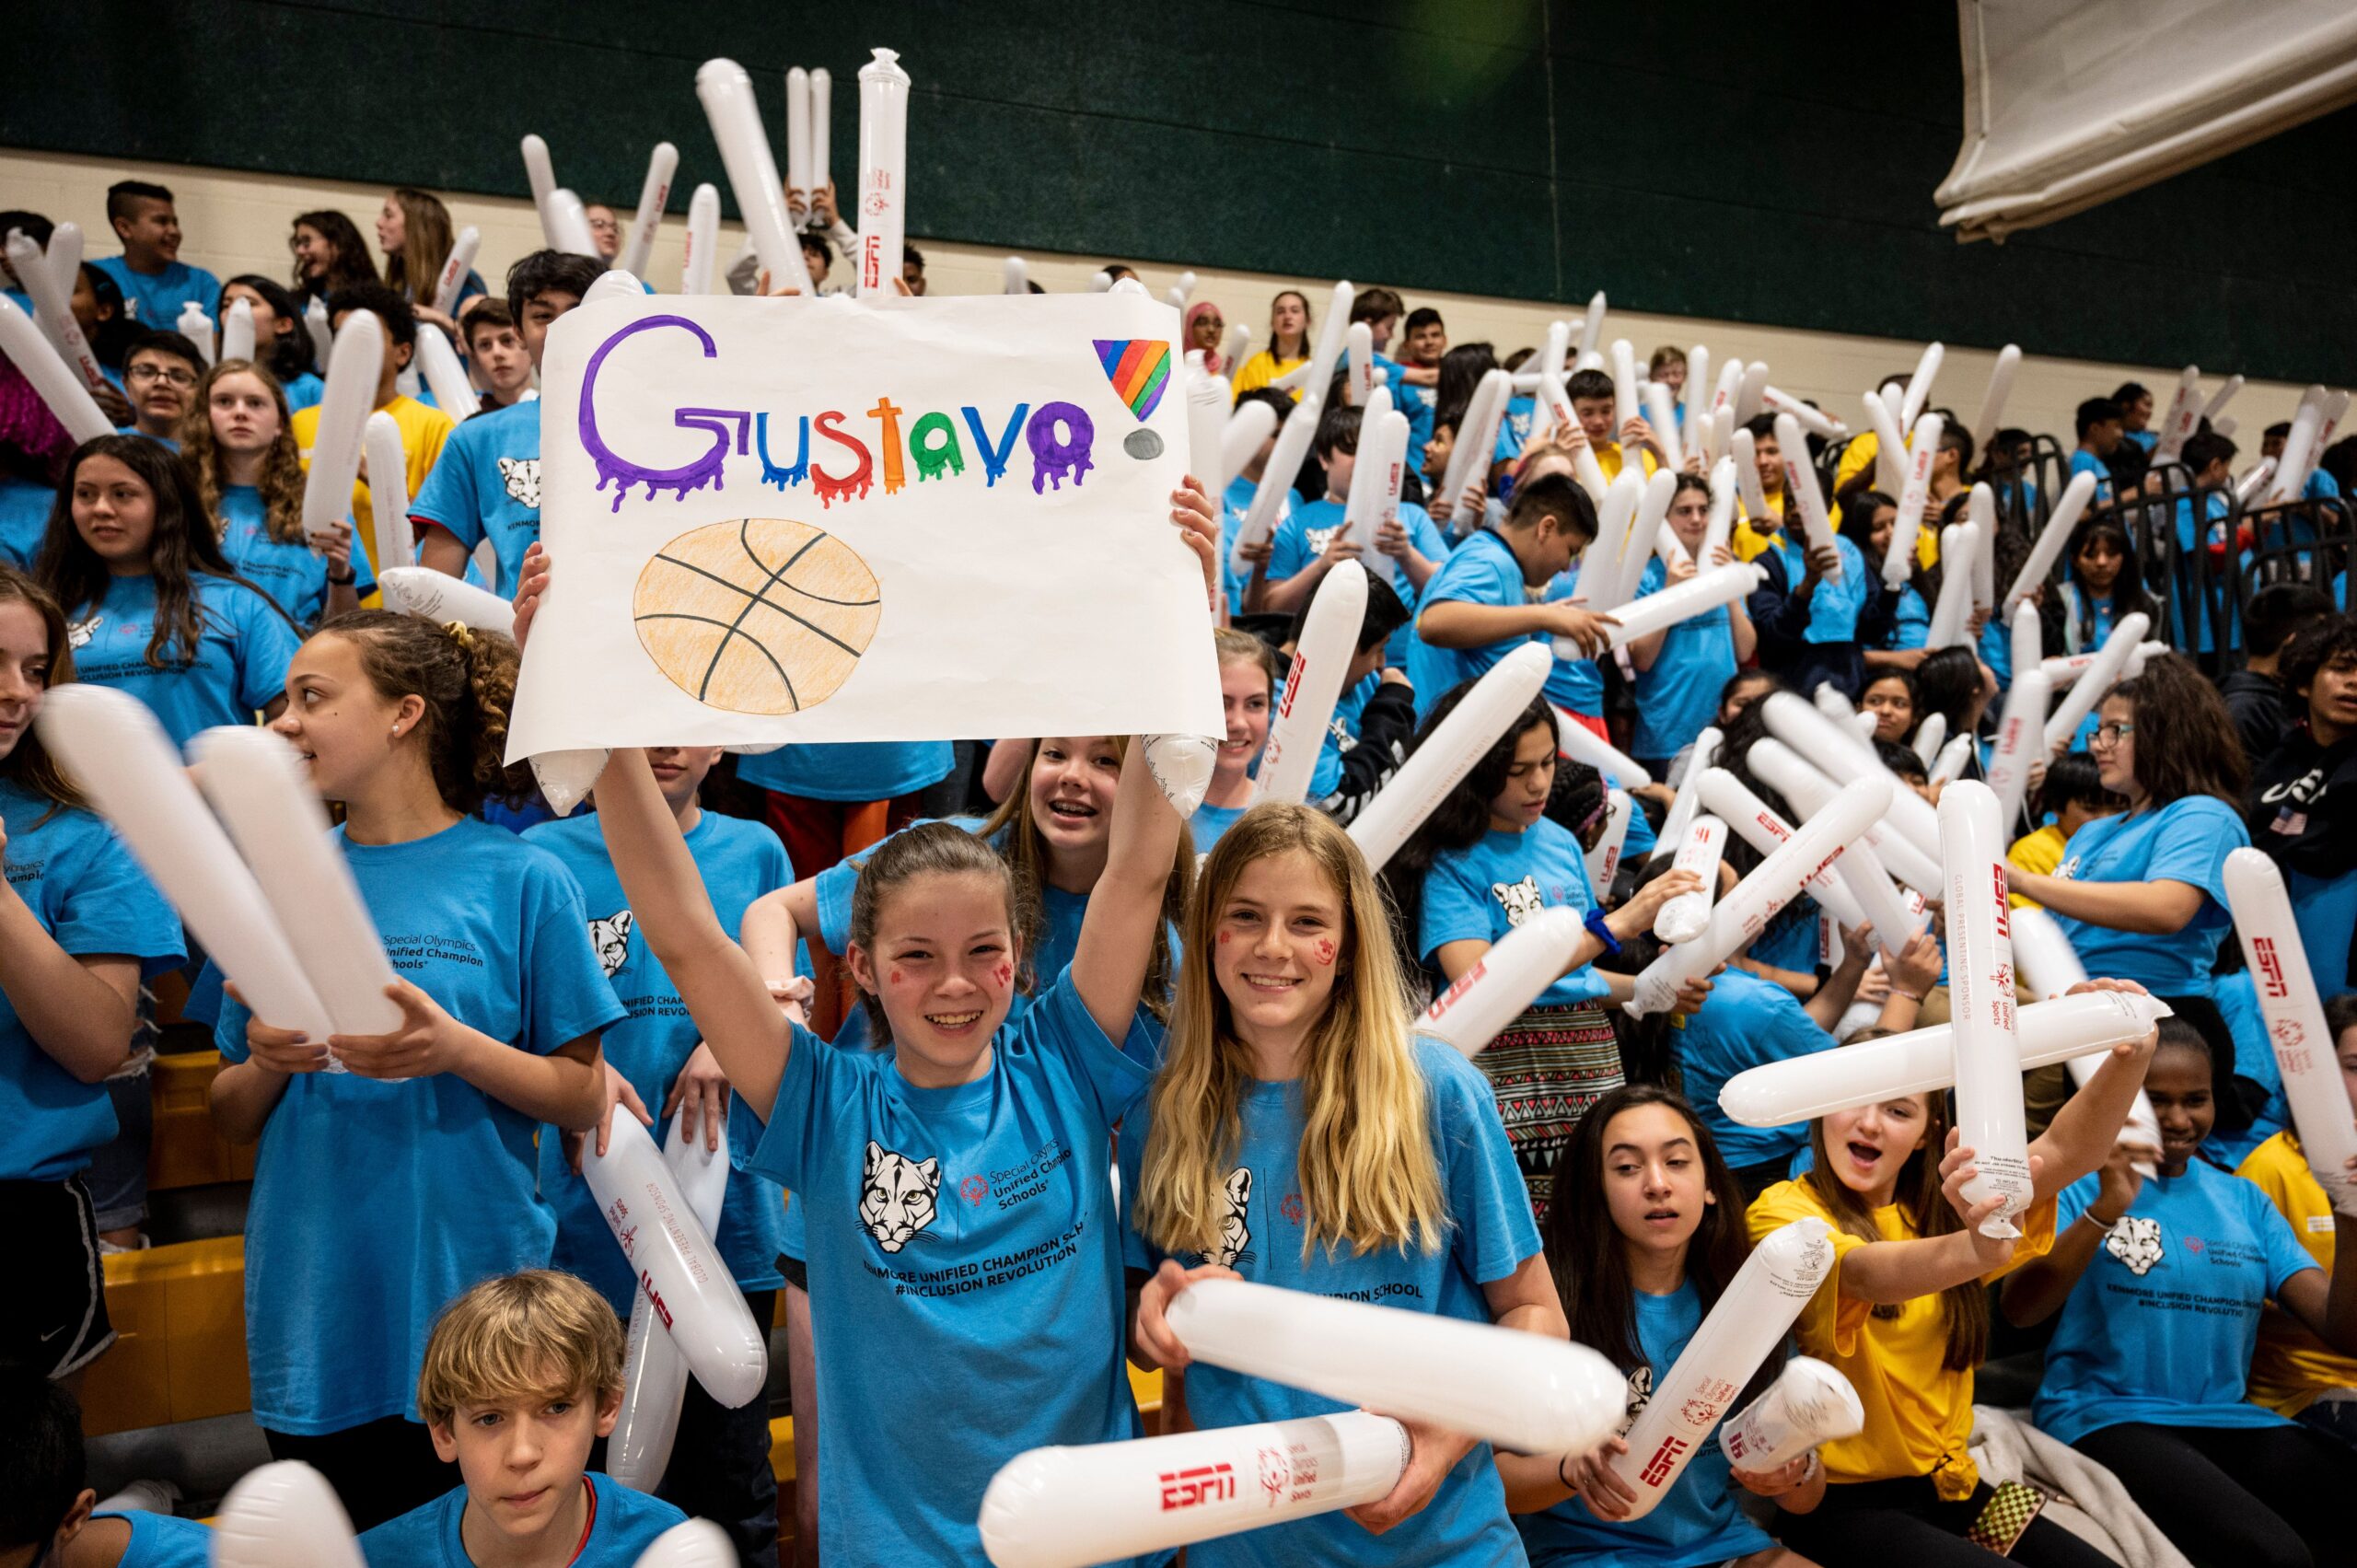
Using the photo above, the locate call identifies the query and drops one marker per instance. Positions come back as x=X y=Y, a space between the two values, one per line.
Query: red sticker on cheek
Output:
x=1223 y=939
x=1003 y=975
x=1324 y=951
x=896 y=977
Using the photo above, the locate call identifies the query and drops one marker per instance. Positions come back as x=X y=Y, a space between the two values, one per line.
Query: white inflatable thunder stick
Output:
x=453 y=276
x=2247 y=489
x=59 y=335
x=1890 y=446
x=1529 y=1392
x=654 y=1373
x=1626 y=402
x=380 y=437
x=1603 y=860
x=116 y=753
x=238 y=329
x=1898 y=560
x=822 y=126
x=1981 y=505
x=1992 y=401
x=677 y=1264
x=1949 y=765
x=1360 y=383
x=700 y=263
x=1329 y=638
x=1584 y=745
x=2021 y=743
x=315 y=323
x=1809 y=1403
x=1207 y=405
x=1980 y=992
x=570 y=215
x=344 y=405
x=197 y=328
x=1247 y=425
x=1816 y=421
x=52 y=380
x=1384 y=450
x=2100 y=677
x=797 y=132
x=1758 y=824
x=1646 y=526
x=653 y=195
x=1861 y=870
x=1923 y=1062
x=1448 y=753
x=1929 y=736
x=1232 y=346
x=257 y=786
x=1556 y=403
x=1015 y=276
x=1752 y=393
x=1505 y=980
x=1729 y=389
x=1294 y=437
x=2291 y=465
x=1744 y=1327
x=2304 y=1049
x=1800 y=487
x=1846 y=755
x=436 y=595
x=1370 y=473
x=2184 y=408
x=1683 y=918
x=726 y=93
x=1687 y=801
x=2049 y=965
x=697 y=1544
x=439 y=363
x=1070 y=1508
x=1182 y=766
x=542 y=173
x=1591 y=330
x=1754 y=901
x=1952 y=612
x=1469 y=460
x=1827 y=700
x=1555 y=359
x=1667 y=607
x=1696 y=401
x=283 y=1515
x=2211 y=411
x=2027 y=637
x=1332 y=333
x=1918 y=386
x=65 y=254
x=1599 y=563
x=1746 y=478
x=1661 y=413
x=1718 y=532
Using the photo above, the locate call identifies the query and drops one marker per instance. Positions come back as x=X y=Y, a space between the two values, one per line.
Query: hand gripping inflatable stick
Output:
x=655 y=1374
x=1685 y=917
x=1809 y=1403
x=1505 y=980
x=1330 y=635
x=1980 y=996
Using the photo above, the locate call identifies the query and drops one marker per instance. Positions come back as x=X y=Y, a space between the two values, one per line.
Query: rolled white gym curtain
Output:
x=2068 y=103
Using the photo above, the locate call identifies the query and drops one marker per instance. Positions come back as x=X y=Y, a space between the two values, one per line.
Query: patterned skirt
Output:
x=1549 y=1068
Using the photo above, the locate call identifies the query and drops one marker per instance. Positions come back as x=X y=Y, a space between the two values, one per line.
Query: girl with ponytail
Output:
x=397 y=1170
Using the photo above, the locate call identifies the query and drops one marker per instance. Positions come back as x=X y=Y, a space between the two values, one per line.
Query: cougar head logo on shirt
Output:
x=78 y=633
x=1521 y=898
x=610 y=938
x=1315 y=540
x=1640 y=1394
x=1235 y=1235
x=896 y=1195
x=2136 y=1241
x=522 y=476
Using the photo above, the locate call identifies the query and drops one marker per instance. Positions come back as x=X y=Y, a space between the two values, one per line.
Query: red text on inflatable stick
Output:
x=887 y=414
x=826 y=486
x=1193 y=1488
x=1658 y=1469
x=647 y=1283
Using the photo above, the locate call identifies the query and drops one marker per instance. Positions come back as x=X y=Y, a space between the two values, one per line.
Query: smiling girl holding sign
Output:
x=386 y=1189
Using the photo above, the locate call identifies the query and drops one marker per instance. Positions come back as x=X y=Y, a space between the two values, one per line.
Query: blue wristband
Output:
x=1603 y=933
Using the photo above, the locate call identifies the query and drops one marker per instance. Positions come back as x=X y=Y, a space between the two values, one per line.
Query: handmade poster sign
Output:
x=825 y=520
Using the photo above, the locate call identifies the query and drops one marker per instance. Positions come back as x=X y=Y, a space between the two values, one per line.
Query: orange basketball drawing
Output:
x=759 y=615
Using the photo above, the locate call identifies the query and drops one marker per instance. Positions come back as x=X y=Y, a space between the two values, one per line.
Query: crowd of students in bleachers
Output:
x=1229 y=999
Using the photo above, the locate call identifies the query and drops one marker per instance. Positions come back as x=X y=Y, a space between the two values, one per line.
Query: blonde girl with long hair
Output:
x=1300 y=1134
x=237 y=438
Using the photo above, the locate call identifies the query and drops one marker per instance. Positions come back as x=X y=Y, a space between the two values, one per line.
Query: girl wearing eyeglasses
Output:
x=2142 y=894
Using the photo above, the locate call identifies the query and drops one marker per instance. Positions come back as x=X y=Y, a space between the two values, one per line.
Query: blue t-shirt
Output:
x=1420 y=405
x=24 y=519
x=375 y=1203
x=2160 y=1327
x=2187 y=840
x=154 y=300
x=241 y=657
x=2083 y=461
x=1678 y=697
x=1303 y=536
x=294 y=575
x=2326 y=910
x=1483 y=570
x=85 y=891
x=851 y=770
x=1341 y=735
x=2215 y=510
x=1233 y=506
x=1697 y=1520
x=1490 y=1234
x=623 y=1525
x=162 y=1541
x=486 y=484
x=304 y=391
x=1745 y=1022
x=965 y=1271
x=1481 y=894
x=1210 y=822
x=1833 y=608
x=738 y=861
x=1514 y=427
x=1911 y=626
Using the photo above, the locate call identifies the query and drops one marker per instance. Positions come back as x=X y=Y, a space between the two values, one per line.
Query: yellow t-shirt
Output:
x=1919 y=1413
x=1263 y=368
x=2290 y=1366
x=1858 y=458
x=1747 y=540
x=422 y=429
x=1608 y=457
x=2039 y=852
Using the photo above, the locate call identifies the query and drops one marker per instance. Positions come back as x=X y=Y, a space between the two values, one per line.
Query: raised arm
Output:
x=722 y=986
x=2151 y=908
x=1117 y=934
x=1888 y=1272
x=2037 y=1290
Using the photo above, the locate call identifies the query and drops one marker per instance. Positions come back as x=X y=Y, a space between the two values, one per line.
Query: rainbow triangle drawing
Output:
x=1139 y=369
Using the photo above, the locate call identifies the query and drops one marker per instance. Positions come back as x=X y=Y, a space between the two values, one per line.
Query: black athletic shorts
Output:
x=54 y=1319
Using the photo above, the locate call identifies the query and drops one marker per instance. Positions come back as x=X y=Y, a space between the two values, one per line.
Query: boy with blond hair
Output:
x=522 y=1374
